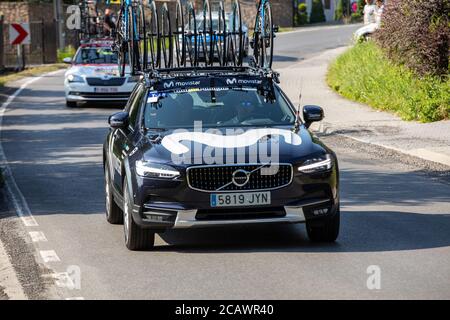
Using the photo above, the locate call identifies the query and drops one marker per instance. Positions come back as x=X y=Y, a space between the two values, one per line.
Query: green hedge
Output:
x=364 y=74
x=68 y=52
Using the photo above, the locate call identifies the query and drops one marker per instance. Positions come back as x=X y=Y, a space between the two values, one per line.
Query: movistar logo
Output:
x=172 y=84
x=243 y=81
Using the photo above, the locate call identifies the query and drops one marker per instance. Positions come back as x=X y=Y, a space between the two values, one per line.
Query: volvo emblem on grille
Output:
x=240 y=177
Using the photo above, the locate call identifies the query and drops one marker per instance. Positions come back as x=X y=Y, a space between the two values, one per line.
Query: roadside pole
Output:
x=57 y=8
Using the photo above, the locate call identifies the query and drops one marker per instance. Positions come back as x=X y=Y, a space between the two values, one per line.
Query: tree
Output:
x=341 y=9
x=317 y=13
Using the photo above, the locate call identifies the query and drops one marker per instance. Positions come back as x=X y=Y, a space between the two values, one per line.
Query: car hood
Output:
x=261 y=145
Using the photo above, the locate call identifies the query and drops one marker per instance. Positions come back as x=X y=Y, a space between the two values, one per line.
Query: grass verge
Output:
x=365 y=75
x=30 y=72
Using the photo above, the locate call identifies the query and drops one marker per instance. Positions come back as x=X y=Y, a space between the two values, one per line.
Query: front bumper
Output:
x=82 y=92
x=162 y=204
x=79 y=96
x=189 y=218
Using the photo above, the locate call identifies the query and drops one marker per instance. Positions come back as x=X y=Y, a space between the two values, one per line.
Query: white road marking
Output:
x=63 y=280
x=75 y=298
x=13 y=191
x=37 y=236
x=49 y=256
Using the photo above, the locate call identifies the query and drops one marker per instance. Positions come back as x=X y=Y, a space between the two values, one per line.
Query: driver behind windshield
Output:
x=244 y=110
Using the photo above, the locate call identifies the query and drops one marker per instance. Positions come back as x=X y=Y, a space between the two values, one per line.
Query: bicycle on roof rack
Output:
x=93 y=20
x=148 y=39
x=264 y=32
x=129 y=34
x=89 y=20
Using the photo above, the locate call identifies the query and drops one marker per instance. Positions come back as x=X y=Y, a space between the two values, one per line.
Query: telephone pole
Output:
x=57 y=9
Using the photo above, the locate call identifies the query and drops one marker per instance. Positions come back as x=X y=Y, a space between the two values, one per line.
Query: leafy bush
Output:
x=317 y=13
x=365 y=74
x=361 y=4
x=68 y=52
x=301 y=16
x=302 y=8
x=356 y=17
x=341 y=9
x=416 y=33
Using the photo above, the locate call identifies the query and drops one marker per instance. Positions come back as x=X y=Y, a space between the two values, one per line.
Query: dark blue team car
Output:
x=216 y=147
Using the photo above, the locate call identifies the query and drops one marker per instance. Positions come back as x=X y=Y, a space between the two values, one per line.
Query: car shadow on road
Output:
x=280 y=58
x=360 y=232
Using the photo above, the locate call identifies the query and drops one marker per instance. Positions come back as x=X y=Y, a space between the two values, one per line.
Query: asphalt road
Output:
x=394 y=216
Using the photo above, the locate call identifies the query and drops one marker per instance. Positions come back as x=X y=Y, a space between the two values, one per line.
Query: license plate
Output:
x=105 y=90
x=240 y=199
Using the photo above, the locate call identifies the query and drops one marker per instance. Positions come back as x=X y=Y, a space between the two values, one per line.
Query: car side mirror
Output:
x=67 y=60
x=118 y=120
x=312 y=114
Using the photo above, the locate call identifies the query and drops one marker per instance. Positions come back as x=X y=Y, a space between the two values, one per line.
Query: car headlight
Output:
x=155 y=170
x=74 y=78
x=316 y=164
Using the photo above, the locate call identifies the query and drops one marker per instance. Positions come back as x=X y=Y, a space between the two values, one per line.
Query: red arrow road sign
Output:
x=19 y=33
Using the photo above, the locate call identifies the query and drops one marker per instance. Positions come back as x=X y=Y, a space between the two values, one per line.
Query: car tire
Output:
x=326 y=230
x=71 y=104
x=114 y=214
x=136 y=238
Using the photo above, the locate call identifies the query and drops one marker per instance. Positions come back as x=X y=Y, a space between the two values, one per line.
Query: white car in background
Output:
x=94 y=76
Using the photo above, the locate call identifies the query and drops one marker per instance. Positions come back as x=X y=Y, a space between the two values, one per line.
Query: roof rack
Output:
x=153 y=76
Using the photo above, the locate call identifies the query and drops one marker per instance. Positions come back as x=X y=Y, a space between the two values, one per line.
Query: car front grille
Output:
x=100 y=95
x=105 y=82
x=219 y=178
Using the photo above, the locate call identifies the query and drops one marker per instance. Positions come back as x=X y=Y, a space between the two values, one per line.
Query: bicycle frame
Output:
x=125 y=4
x=262 y=12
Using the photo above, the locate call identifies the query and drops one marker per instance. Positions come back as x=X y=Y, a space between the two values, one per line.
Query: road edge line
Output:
x=14 y=288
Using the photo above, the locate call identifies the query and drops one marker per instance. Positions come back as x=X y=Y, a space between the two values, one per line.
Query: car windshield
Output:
x=98 y=55
x=222 y=108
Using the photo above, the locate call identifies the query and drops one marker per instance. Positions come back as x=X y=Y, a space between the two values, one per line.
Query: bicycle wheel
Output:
x=133 y=46
x=256 y=37
x=221 y=36
x=236 y=34
x=207 y=34
x=180 y=47
x=166 y=37
x=191 y=36
x=120 y=44
x=266 y=38
x=152 y=44
x=142 y=36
